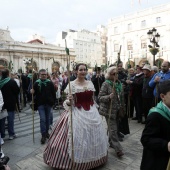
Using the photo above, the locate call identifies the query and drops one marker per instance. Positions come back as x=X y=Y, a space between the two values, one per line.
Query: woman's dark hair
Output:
x=77 y=66
x=5 y=73
x=164 y=87
x=42 y=70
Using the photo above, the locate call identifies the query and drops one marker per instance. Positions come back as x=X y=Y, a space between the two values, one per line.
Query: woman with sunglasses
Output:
x=111 y=104
x=89 y=135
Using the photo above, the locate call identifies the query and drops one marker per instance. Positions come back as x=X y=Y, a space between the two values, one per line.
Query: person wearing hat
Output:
x=97 y=81
x=147 y=91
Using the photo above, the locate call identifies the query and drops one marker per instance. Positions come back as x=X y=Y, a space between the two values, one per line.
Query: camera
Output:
x=3 y=161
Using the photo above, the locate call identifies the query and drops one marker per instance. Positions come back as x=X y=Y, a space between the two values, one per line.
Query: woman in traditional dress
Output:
x=112 y=106
x=90 y=142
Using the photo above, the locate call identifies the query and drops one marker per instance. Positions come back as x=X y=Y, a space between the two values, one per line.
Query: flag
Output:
x=67 y=51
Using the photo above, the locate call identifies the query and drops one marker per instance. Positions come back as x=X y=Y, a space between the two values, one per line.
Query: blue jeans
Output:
x=51 y=117
x=45 y=113
x=10 y=118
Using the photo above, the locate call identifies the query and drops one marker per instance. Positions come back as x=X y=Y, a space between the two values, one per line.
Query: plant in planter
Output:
x=154 y=51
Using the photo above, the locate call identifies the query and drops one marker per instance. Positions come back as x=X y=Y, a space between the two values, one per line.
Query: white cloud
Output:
x=47 y=17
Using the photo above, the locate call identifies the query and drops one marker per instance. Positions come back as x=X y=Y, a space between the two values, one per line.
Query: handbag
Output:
x=3 y=114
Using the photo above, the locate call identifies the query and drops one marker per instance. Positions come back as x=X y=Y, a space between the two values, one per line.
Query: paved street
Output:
x=26 y=155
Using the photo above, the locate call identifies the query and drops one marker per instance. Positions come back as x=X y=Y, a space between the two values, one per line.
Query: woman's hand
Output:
x=157 y=79
x=69 y=98
x=129 y=82
x=32 y=91
x=111 y=95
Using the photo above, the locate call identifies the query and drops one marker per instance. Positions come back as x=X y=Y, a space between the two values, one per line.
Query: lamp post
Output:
x=154 y=37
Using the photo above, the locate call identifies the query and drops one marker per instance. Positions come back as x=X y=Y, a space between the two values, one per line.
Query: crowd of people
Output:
x=116 y=94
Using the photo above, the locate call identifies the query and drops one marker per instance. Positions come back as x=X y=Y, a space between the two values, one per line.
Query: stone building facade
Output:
x=17 y=55
x=87 y=45
x=130 y=32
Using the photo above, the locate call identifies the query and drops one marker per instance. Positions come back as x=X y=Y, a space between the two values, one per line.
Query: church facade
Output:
x=34 y=54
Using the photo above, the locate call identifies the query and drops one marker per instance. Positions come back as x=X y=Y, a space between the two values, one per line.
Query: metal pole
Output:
x=154 y=43
x=153 y=60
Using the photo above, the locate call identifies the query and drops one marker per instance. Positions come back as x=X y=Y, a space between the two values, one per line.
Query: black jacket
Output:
x=122 y=76
x=137 y=85
x=46 y=95
x=97 y=82
x=147 y=91
x=155 y=138
x=10 y=93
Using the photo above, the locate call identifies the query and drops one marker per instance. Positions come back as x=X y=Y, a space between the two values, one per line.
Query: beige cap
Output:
x=146 y=67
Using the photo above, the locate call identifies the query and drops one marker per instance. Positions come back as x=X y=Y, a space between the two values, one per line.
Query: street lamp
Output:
x=154 y=37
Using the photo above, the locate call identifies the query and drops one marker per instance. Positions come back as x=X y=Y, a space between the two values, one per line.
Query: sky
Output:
x=48 y=17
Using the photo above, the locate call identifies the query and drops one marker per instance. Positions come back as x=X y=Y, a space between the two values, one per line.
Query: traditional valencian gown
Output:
x=89 y=135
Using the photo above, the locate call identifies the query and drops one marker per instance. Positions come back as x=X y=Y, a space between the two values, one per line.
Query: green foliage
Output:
x=154 y=51
x=104 y=67
x=147 y=62
x=67 y=51
x=10 y=66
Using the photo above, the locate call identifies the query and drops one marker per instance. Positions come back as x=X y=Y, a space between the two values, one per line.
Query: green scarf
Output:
x=118 y=87
x=29 y=76
x=161 y=109
x=3 y=82
x=40 y=82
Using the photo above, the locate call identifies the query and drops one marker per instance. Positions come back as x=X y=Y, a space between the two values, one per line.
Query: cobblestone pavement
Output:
x=27 y=155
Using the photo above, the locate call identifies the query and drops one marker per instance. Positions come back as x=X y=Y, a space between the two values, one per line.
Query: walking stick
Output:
x=18 y=113
x=110 y=111
x=32 y=101
x=71 y=115
x=111 y=103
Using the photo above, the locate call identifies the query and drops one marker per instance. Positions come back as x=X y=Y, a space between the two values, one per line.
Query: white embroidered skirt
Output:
x=90 y=141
